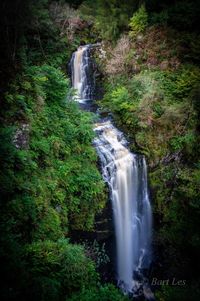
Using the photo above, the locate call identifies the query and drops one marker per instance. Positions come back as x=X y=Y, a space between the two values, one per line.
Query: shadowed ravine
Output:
x=126 y=175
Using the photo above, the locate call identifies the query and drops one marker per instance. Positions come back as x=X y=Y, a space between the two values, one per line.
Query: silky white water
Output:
x=126 y=175
x=77 y=78
x=83 y=79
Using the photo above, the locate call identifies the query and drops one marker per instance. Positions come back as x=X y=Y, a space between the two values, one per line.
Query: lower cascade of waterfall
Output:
x=126 y=176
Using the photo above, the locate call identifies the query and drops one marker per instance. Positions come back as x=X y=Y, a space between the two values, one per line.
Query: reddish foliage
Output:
x=157 y=48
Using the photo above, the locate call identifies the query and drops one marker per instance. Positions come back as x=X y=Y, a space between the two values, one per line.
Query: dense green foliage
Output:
x=104 y=293
x=138 y=22
x=49 y=185
x=54 y=159
x=111 y=17
x=56 y=269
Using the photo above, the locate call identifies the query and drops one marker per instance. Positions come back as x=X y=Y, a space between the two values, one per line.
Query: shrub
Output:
x=56 y=269
x=117 y=63
x=138 y=22
x=104 y=293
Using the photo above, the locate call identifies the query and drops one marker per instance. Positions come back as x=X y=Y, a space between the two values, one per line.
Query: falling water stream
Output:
x=126 y=176
x=82 y=74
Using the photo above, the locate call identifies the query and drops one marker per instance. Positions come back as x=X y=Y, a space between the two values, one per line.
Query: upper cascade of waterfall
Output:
x=82 y=70
x=126 y=175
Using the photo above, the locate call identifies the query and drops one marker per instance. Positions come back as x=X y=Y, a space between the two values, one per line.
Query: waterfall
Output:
x=82 y=69
x=126 y=176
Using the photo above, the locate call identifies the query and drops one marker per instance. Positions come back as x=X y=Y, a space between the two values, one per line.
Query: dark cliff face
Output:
x=103 y=234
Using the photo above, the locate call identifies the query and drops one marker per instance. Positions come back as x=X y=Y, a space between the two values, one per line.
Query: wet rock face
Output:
x=104 y=225
x=21 y=137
